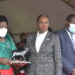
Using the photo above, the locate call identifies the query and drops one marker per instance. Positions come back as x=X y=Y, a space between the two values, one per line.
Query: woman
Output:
x=6 y=47
x=45 y=50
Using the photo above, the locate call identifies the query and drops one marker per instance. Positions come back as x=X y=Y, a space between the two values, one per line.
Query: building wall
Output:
x=22 y=14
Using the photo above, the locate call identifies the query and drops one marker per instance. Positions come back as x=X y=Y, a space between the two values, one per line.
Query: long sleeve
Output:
x=57 y=56
x=67 y=66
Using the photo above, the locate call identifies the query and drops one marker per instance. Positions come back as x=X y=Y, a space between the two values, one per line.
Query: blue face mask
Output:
x=72 y=28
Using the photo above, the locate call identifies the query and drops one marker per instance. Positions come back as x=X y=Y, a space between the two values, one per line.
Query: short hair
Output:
x=42 y=15
x=69 y=17
x=3 y=18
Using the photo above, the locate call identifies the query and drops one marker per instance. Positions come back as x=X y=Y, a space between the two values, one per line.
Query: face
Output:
x=3 y=24
x=71 y=26
x=23 y=37
x=43 y=24
x=3 y=29
x=70 y=22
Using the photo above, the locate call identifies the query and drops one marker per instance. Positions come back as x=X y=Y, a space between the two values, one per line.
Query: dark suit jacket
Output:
x=68 y=52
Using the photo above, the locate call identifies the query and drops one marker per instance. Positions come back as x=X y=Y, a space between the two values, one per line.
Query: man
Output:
x=67 y=39
x=45 y=51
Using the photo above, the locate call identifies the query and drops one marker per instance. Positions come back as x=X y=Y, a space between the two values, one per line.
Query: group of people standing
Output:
x=50 y=53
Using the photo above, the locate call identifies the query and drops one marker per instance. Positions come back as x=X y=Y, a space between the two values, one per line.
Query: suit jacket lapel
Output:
x=68 y=40
x=45 y=42
x=34 y=40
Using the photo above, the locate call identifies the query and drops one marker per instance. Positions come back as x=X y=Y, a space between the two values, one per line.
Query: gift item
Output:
x=20 y=55
x=18 y=59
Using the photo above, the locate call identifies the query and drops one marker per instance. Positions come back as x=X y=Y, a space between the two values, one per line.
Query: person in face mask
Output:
x=67 y=39
x=6 y=47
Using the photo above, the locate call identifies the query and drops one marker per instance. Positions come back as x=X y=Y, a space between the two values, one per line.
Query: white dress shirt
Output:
x=72 y=37
x=39 y=40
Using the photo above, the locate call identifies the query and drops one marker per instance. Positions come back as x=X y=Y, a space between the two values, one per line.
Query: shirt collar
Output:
x=69 y=32
x=44 y=33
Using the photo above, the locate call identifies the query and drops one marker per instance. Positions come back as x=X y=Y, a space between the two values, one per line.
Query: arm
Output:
x=67 y=66
x=4 y=61
x=28 y=41
x=57 y=56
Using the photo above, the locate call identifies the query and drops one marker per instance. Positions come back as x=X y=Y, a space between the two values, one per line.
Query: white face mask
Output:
x=72 y=28
x=3 y=32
